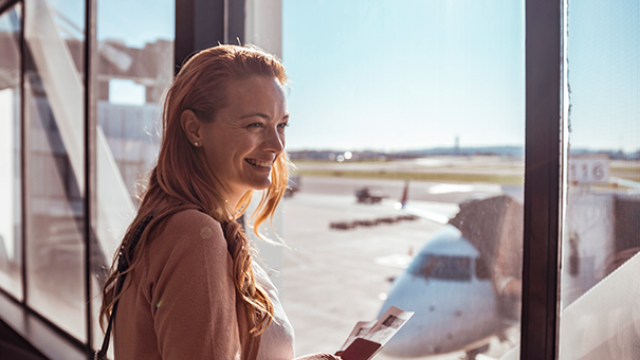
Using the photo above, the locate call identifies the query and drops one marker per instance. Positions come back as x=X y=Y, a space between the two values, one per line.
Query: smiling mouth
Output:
x=258 y=163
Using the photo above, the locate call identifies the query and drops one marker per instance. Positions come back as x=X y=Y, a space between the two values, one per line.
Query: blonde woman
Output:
x=190 y=289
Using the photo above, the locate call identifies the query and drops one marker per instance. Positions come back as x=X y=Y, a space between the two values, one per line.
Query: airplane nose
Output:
x=431 y=330
x=414 y=339
x=448 y=315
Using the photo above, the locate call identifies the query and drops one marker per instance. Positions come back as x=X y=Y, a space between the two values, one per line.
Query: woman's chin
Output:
x=261 y=184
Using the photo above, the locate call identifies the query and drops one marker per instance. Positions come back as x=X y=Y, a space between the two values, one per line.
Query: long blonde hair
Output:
x=181 y=180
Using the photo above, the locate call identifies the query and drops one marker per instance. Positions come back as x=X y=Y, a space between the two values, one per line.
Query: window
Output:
x=442 y=267
x=381 y=93
x=135 y=67
x=600 y=316
x=10 y=153
x=54 y=122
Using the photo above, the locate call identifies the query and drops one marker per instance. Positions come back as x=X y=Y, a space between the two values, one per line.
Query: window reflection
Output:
x=54 y=119
x=135 y=66
x=10 y=147
x=600 y=316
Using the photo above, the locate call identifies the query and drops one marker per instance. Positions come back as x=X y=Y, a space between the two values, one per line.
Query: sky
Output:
x=604 y=74
x=410 y=74
x=397 y=75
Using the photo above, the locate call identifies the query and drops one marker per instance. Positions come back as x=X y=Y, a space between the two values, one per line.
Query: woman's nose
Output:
x=274 y=141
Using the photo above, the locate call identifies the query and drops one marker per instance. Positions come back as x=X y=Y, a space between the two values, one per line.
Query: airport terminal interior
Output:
x=474 y=162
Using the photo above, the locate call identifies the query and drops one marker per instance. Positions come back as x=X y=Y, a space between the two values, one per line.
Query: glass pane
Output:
x=135 y=66
x=54 y=116
x=388 y=91
x=600 y=316
x=10 y=146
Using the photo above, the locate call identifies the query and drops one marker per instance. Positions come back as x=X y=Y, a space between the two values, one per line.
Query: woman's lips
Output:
x=259 y=163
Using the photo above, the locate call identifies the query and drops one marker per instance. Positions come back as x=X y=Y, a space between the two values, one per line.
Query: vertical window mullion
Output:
x=543 y=187
x=23 y=164
x=201 y=24
x=90 y=160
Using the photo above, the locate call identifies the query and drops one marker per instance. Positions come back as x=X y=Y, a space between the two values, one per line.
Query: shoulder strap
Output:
x=123 y=266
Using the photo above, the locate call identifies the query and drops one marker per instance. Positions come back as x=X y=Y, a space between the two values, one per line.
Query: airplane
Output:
x=450 y=287
x=437 y=286
x=464 y=284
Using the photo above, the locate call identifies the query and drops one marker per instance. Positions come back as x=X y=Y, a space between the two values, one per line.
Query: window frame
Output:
x=543 y=186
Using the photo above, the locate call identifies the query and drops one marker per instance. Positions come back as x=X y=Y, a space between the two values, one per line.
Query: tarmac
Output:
x=331 y=278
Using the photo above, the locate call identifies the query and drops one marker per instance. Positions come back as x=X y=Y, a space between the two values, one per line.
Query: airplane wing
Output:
x=434 y=211
x=430 y=210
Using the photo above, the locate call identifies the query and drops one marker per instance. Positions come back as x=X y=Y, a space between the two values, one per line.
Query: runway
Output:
x=331 y=279
x=418 y=190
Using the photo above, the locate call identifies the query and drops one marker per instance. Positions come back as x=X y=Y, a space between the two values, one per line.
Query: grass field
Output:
x=414 y=176
x=475 y=169
x=485 y=176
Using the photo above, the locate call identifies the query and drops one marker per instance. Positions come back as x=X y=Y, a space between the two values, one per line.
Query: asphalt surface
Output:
x=330 y=279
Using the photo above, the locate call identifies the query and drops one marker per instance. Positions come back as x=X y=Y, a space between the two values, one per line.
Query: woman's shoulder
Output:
x=188 y=227
x=188 y=220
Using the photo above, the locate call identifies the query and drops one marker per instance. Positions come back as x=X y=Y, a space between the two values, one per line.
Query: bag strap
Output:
x=123 y=266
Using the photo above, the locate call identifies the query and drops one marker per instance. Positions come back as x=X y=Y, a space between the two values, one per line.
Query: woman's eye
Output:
x=254 y=125
x=283 y=125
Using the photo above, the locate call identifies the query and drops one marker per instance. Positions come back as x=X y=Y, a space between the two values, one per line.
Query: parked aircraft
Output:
x=464 y=284
x=450 y=287
x=438 y=286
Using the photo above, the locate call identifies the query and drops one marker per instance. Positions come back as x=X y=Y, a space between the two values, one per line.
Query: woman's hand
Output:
x=319 y=356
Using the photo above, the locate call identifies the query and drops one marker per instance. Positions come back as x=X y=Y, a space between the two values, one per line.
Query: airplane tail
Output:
x=405 y=193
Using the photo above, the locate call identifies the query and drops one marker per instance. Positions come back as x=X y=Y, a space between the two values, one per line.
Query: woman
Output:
x=191 y=290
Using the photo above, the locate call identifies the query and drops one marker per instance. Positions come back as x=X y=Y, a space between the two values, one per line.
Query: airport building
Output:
x=551 y=238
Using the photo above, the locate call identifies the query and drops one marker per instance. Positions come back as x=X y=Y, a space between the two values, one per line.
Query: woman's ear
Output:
x=191 y=127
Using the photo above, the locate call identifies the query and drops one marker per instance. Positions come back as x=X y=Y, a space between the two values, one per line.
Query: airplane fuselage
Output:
x=454 y=310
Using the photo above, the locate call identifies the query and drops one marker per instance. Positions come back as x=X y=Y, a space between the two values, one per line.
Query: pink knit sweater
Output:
x=180 y=300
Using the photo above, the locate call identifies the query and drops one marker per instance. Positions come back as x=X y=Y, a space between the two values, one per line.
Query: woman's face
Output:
x=242 y=142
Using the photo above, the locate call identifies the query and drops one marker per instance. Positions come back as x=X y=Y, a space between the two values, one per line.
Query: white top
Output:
x=277 y=342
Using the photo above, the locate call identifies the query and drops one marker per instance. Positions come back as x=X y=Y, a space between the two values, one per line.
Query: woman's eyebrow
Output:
x=259 y=114
x=262 y=115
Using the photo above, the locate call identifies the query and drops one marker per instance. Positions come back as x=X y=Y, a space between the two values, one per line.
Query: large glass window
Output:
x=10 y=150
x=600 y=316
x=407 y=136
x=388 y=91
x=54 y=121
x=135 y=66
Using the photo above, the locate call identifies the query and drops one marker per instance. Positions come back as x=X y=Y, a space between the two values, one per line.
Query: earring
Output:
x=195 y=143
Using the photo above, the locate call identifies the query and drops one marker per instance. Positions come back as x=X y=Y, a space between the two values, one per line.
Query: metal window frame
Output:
x=199 y=25
x=4 y=7
x=23 y=164
x=90 y=165
x=543 y=180
x=204 y=23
